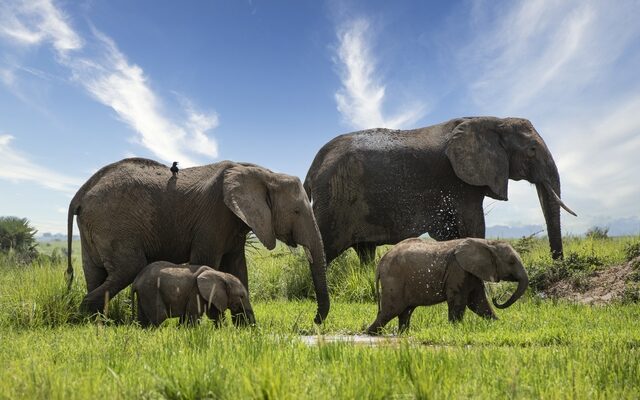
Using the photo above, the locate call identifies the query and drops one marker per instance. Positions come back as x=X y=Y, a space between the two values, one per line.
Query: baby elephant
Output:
x=416 y=272
x=167 y=290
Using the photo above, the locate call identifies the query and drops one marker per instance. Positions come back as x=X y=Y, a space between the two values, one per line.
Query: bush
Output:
x=597 y=233
x=525 y=244
x=632 y=250
x=575 y=266
x=17 y=238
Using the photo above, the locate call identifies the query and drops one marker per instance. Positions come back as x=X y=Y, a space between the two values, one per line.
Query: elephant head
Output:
x=224 y=291
x=493 y=261
x=488 y=151
x=275 y=206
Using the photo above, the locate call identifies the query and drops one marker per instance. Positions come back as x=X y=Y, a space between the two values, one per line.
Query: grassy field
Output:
x=538 y=349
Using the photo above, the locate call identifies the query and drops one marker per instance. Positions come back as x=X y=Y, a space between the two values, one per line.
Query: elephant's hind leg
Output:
x=366 y=252
x=382 y=319
x=404 y=319
x=121 y=272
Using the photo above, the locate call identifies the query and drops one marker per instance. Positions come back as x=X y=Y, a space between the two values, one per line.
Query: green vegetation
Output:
x=538 y=349
x=17 y=238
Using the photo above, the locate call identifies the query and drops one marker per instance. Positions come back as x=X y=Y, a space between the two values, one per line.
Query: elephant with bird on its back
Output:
x=134 y=212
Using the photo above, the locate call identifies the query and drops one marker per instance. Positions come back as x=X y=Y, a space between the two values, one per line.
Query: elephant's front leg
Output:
x=235 y=264
x=470 y=219
x=478 y=302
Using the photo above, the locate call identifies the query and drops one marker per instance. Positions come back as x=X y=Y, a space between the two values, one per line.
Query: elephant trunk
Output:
x=251 y=318
x=523 y=283
x=549 y=196
x=312 y=241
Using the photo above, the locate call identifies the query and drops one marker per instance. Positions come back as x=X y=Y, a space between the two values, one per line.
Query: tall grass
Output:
x=537 y=349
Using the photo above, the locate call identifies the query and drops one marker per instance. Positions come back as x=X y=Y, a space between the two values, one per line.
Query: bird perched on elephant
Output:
x=418 y=272
x=132 y=212
x=381 y=186
x=166 y=290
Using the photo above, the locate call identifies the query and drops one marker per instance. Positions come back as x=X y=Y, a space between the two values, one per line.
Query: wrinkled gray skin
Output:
x=381 y=186
x=167 y=290
x=417 y=272
x=133 y=212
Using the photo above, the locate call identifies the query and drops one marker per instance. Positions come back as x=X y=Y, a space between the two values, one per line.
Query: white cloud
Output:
x=531 y=51
x=35 y=21
x=19 y=168
x=109 y=77
x=361 y=97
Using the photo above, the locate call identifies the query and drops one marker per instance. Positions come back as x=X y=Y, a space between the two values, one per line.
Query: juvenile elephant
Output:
x=166 y=290
x=381 y=186
x=134 y=212
x=417 y=272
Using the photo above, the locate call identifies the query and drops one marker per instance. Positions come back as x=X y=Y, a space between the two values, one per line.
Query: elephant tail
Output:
x=71 y=213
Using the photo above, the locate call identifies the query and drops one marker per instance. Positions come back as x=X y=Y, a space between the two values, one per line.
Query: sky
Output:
x=87 y=83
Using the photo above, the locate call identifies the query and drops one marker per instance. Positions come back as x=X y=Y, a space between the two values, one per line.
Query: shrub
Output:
x=632 y=250
x=597 y=233
x=525 y=244
x=17 y=238
x=575 y=266
x=631 y=293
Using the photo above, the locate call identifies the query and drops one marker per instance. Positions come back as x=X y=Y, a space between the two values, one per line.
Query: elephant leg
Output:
x=143 y=320
x=366 y=252
x=94 y=274
x=391 y=305
x=404 y=319
x=470 y=219
x=235 y=263
x=189 y=319
x=456 y=309
x=479 y=304
x=121 y=272
x=382 y=319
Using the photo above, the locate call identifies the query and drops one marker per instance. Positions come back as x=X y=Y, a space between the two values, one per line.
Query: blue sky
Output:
x=86 y=83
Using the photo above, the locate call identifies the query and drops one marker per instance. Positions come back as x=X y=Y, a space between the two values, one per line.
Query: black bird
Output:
x=174 y=169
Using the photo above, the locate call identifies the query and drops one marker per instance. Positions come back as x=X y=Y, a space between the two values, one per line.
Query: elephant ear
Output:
x=213 y=289
x=477 y=156
x=476 y=257
x=246 y=194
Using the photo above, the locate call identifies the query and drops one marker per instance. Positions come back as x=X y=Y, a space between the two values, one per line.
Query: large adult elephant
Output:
x=381 y=186
x=133 y=212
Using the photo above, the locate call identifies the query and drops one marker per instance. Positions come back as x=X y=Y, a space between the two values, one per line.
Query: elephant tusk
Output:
x=557 y=198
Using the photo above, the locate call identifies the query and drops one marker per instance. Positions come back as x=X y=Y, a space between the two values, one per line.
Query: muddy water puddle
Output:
x=360 y=340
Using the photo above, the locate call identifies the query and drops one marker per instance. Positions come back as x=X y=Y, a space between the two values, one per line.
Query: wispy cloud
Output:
x=18 y=167
x=98 y=66
x=36 y=21
x=361 y=98
x=529 y=51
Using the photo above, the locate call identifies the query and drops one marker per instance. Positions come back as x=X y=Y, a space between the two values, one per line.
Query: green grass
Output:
x=538 y=348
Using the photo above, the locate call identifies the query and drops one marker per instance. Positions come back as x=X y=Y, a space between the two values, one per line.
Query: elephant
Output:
x=134 y=212
x=381 y=186
x=167 y=290
x=418 y=272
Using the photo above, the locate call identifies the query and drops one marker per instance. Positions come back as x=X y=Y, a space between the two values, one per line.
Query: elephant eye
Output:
x=296 y=211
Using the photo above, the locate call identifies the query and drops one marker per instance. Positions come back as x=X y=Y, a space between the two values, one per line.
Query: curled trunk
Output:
x=523 y=283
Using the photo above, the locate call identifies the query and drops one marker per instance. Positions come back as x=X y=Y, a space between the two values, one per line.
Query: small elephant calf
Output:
x=417 y=272
x=167 y=290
